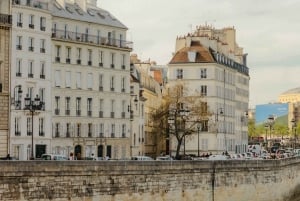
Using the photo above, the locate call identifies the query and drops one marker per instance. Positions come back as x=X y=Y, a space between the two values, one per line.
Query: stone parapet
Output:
x=150 y=180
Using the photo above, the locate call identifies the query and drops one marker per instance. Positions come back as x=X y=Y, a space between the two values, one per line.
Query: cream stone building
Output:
x=30 y=133
x=91 y=81
x=5 y=54
x=210 y=62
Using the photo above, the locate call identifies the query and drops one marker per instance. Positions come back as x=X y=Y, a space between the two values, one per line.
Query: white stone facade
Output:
x=218 y=73
x=31 y=69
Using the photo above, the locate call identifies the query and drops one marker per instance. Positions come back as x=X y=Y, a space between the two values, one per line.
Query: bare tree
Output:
x=184 y=110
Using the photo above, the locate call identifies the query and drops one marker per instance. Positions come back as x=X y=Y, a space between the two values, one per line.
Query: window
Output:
x=68 y=79
x=101 y=130
x=124 y=107
x=90 y=128
x=57 y=49
x=1 y=77
x=123 y=130
x=19 y=68
x=42 y=97
x=123 y=84
x=203 y=73
x=123 y=61
x=41 y=127
x=43 y=24
x=89 y=80
x=78 y=106
x=68 y=55
x=57 y=105
x=203 y=90
x=65 y=31
x=57 y=78
x=42 y=70
x=78 y=55
x=89 y=107
x=67 y=105
x=101 y=82
x=68 y=130
x=113 y=128
x=78 y=130
x=179 y=73
x=78 y=80
x=42 y=46
x=30 y=69
x=112 y=55
x=101 y=102
x=112 y=108
x=87 y=35
x=19 y=19
x=100 y=58
x=56 y=129
x=30 y=92
x=31 y=44
x=17 y=126
x=19 y=43
x=29 y=128
x=98 y=36
x=31 y=21
x=112 y=83
x=90 y=53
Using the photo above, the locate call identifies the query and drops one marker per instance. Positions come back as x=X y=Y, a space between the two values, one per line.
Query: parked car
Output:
x=217 y=157
x=54 y=157
x=141 y=158
x=164 y=158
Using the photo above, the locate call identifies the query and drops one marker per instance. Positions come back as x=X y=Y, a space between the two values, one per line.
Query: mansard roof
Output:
x=93 y=15
x=292 y=91
x=202 y=54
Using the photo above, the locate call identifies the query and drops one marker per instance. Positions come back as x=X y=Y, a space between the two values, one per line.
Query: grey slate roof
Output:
x=93 y=15
x=292 y=91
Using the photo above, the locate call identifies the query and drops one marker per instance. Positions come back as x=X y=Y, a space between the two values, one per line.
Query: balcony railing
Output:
x=35 y=4
x=5 y=19
x=86 y=38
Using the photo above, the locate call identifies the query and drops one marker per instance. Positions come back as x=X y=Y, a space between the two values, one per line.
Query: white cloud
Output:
x=267 y=30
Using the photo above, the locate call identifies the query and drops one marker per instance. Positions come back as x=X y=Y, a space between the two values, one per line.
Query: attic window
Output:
x=69 y=9
x=91 y=12
x=101 y=16
x=57 y=6
x=79 y=11
x=192 y=56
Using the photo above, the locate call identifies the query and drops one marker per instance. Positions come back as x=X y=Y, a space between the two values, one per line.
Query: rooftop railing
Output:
x=87 y=38
x=32 y=3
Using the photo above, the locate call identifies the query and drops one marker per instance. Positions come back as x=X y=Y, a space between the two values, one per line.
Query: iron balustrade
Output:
x=5 y=19
x=87 y=38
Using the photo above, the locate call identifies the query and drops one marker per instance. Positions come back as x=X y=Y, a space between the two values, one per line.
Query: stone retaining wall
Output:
x=273 y=180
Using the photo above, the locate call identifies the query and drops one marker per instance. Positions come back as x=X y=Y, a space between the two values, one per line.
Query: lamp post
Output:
x=220 y=112
x=168 y=143
x=199 y=127
x=16 y=100
x=268 y=125
x=32 y=106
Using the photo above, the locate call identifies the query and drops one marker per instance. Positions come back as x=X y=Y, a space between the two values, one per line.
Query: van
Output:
x=54 y=157
x=141 y=158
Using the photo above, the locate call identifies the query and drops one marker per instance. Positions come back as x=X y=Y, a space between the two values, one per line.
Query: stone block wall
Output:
x=274 y=180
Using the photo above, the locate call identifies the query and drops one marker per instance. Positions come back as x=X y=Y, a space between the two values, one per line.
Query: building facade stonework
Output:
x=5 y=32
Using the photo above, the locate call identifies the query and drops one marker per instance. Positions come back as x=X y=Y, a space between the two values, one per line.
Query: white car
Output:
x=217 y=157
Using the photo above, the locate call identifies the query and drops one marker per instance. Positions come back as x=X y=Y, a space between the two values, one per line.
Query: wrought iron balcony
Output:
x=5 y=19
x=87 y=38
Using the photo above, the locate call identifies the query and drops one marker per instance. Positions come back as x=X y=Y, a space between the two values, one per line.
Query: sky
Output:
x=268 y=30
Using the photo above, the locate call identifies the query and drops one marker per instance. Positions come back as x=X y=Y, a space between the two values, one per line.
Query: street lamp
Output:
x=32 y=106
x=16 y=100
x=269 y=124
x=129 y=107
x=220 y=112
x=199 y=127
x=168 y=142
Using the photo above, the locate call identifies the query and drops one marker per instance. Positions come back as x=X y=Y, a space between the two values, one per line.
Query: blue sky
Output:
x=268 y=31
